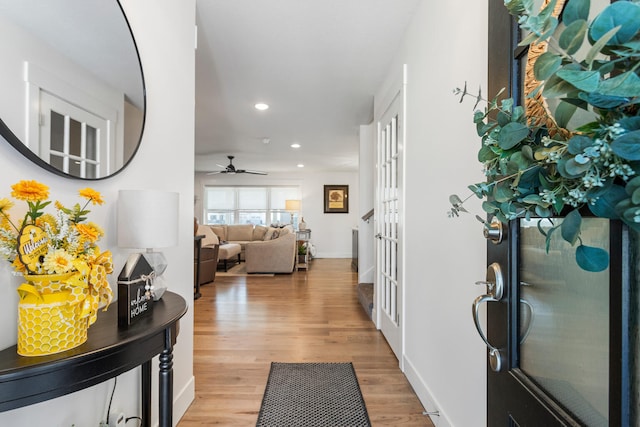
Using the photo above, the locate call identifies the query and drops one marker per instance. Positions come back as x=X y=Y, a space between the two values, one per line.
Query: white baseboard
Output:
x=183 y=399
x=424 y=394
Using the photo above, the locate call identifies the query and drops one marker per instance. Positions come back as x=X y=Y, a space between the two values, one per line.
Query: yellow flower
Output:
x=58 y=261
x=90 y=231
x=58 y=205
x=5 y=205
x=92 y=195
x=30 y=191
x=46 y=219
x=18 y=266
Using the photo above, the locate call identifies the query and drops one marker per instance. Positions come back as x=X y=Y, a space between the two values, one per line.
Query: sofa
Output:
x=263 y=249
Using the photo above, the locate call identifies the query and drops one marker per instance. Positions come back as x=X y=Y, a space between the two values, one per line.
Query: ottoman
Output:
x=227 y=252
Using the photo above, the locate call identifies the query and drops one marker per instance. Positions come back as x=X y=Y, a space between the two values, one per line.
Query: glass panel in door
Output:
x=564 y=320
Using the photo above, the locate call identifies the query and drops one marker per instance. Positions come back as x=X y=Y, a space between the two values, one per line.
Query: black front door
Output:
x=558 y=337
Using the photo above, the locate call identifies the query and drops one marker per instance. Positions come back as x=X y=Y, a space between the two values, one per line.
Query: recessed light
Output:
x=300 y=165
x=261 y=106
x=296 y=145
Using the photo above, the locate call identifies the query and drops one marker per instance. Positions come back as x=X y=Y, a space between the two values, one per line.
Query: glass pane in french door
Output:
x=564 y=319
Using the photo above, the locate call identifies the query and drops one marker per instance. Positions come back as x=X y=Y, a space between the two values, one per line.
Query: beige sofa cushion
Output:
x=210 y=238
x=240 y=232
x=259 y=232
x=220 y=230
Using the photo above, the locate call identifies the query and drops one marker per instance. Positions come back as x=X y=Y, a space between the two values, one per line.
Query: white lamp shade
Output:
x=292 y=205
x=147 y=219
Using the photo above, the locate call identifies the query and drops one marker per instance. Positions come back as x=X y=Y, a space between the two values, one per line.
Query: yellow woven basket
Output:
x=52 y=314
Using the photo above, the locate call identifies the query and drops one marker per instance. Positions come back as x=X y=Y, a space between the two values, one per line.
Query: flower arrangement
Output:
x=65 y=270
x=542 y=164
x=66 y=242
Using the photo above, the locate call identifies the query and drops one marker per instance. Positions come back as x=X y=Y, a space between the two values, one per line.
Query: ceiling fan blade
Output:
x=215 y=172
x=256 y=172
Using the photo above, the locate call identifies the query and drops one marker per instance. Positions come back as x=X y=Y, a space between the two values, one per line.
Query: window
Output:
x=248 y=205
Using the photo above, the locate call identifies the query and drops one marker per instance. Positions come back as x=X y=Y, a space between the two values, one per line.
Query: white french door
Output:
x=73 y=140
x=389 y=289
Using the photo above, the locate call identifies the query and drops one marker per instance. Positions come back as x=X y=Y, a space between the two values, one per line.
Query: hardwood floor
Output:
x=242 y=324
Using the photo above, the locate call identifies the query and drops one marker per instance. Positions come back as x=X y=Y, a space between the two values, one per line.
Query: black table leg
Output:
x=146 y=394
x=166 y=382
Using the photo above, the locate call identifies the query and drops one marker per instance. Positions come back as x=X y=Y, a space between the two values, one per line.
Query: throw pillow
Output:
x=275 y=235
x=259 y=232
x=210 y=237
x=269 y=234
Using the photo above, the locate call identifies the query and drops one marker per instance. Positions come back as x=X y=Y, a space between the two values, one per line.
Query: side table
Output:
x=303 y=237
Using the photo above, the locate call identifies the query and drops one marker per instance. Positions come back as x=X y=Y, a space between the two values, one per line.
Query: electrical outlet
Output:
x=117 y=420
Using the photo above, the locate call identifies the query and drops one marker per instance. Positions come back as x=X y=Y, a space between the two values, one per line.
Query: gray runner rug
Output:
x=313 y=395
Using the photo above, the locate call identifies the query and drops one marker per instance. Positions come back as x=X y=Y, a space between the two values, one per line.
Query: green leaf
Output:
x=575 y=167
x=575 y=10
x=584 y=80
x=623 y=14
x=503 y=118
x=578 y=143
x=502 y=193
x=599 y=44
x=625 y=85
x=546 y=64
x=630 y=123
x=555 y=87
x=592 y=259
x=627 y=146
x=483 y=128
x=572 y=37
x=602 y=101
x=489 y=207
x=548 y=239
x=527 y=152
x=635 y=197
x=512 y=134
x=570 y=227
x=543 y=212
x=605 y=205
x=485 y=154
x=534 y=199
x=564 y=112
x=632 y=185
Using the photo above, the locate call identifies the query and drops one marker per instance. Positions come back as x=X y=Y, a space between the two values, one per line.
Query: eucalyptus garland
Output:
x=547 y=166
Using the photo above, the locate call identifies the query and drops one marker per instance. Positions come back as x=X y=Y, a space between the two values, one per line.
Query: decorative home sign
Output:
x=134 y=290
x=336 y=199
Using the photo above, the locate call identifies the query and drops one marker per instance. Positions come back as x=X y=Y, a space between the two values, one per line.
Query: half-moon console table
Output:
x=109 y=352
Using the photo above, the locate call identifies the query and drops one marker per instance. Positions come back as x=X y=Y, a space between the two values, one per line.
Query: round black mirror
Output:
x=72 y=85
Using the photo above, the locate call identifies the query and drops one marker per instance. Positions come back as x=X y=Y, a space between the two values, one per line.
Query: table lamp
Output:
x=148 y=219
x=292 y=206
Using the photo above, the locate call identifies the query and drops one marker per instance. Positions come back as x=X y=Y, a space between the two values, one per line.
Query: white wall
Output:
x=330 y=233
x=164 y=32
x=444 y=357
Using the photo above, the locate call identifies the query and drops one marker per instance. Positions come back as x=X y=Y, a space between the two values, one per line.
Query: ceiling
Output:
x=317 y=63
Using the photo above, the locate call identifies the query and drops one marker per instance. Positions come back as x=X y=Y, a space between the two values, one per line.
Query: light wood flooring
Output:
x=242 y=324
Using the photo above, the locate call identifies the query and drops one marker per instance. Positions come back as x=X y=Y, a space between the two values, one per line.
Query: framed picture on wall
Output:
x=336 y=199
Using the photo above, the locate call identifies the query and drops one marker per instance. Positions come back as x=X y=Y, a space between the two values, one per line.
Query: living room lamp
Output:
x=292 y=205
x=148 y=219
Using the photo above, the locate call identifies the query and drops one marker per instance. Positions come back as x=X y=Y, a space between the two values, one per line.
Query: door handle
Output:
x=378 y=236
x=495 y=289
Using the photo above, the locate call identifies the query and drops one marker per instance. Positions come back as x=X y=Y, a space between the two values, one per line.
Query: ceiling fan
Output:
x=231 y=169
